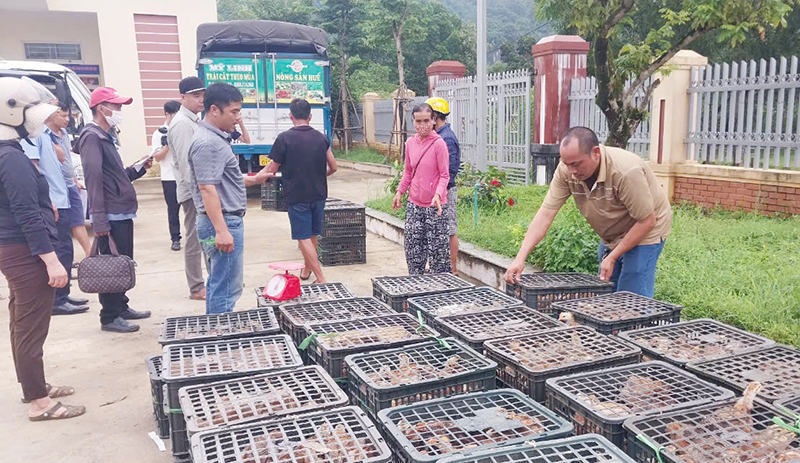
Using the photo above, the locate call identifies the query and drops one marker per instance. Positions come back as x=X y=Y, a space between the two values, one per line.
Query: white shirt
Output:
x=167 y=172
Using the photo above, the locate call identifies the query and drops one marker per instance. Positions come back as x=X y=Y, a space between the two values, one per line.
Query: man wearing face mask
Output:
x=112 y=198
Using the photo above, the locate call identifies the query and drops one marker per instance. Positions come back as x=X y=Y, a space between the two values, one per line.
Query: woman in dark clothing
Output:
x=27 y=259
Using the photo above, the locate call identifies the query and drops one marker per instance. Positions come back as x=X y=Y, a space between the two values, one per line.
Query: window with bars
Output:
x=53 y=51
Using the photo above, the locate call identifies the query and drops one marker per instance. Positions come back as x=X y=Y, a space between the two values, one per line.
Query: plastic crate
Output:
x=460 y=302
x=202 y=362
x=272 y=195
x=308 y=293
x=343 y=435
x=157 y=391
x=258 y=322
x=343 y=219
x=416 y=372
x=258 y=398
x=342 y=250
x=475 y=328
x=590 y=448
x=427 y=431
x=539 y=290
x=791 y=403
x=699 y=339
x=395 y=291
x=620 y=311
x=777 y=368
x=525 y=362
x=294 y=317
x=711 y=433
x=600 y=401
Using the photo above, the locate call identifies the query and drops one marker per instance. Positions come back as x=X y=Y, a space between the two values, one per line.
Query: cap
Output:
x=191 y=84
x=107 y=95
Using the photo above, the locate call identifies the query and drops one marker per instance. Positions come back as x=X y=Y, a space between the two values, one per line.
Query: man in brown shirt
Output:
x=619 y=196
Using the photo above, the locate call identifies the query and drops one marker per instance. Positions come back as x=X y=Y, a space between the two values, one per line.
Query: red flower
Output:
x=511 y=201
x=496 y=183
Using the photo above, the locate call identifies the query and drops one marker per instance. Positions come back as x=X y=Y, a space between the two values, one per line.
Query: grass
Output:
x=361 y=154
x=735 y=267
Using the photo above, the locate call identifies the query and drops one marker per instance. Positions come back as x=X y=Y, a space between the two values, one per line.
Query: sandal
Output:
x=55 y=392
x=306 y=277
x=71 y=412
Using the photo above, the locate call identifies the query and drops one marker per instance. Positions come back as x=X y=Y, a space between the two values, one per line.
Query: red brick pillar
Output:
x=557 y=60
x=440 y=70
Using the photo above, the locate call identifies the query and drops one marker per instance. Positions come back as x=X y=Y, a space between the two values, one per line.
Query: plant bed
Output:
x=258 y=322
x=388 y=378
x=294 y=317
x=395 y=291
x=539 y=290
x=343 y=219
x=427 y=431
x=460 y=302
x=343 y=435
x=699 y=339
x=349 y=250
x=525 y=362
x=258 y=398
x=157 y=392
x=719 y=432
x=590 y=448
x=272 y=195
x=620 y=311
x=777 y=368
x=600 y=401
x=476 y=328
x=308 y=293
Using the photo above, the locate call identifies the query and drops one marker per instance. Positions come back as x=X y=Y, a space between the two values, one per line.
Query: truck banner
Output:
x=240 y=73
x=297 y=78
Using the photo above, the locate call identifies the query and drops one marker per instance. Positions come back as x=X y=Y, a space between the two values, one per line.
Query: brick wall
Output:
x=768 y=199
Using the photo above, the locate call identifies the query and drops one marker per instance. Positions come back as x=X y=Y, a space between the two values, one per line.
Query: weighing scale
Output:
x=285 y=286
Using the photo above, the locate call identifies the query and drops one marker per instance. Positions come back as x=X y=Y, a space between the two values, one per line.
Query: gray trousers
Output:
x=192 y=251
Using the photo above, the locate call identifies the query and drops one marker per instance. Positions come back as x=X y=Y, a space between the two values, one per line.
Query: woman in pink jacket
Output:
x=425 y=178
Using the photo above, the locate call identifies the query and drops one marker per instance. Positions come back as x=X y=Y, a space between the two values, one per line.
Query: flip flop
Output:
x=60 y=391
x=306 y=278
x=71 y=412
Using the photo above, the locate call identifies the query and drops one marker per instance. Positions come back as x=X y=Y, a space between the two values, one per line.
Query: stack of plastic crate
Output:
x=344 y=234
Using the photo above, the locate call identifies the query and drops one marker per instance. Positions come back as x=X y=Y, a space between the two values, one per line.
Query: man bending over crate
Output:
x=619 y=196
x=305 y=160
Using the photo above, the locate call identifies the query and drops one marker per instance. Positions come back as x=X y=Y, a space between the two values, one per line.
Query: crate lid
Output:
x=615 y=394
x=777 y=368
x=460 y=302
x=558 y=349
x=417 y=364
x=260 y=397
x=343 y=431
x=615 y=307
x=154 y=367
x=371 y=331
x=580 y=449
x=217 y=359
x=409 y=285
x=561 y=280
x=432 y=429
x=694 y=340
x=311 y=293
x=216 y=326
x=481 y=326
x=335 y=310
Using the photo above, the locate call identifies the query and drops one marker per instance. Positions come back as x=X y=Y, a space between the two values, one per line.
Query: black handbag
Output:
x=106 y=273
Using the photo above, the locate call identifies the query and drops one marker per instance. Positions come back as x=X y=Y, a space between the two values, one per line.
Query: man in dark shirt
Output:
x=305 y=159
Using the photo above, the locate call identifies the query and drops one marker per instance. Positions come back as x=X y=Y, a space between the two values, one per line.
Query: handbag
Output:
x=106 y=273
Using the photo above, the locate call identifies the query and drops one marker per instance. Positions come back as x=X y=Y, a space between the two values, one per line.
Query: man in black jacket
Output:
x=112 y=198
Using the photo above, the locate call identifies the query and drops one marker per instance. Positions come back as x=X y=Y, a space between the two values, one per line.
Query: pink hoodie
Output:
x=432 y=173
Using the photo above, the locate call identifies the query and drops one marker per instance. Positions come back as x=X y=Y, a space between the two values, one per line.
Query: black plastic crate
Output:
x=343 y=435
x=620 y=311
x=460 y=302
x=427 y=431
x=539 y=290
x=258 y=322
x=329 y=343
x=272 y=195
x=713 y=433
x=308 y=293
x=157 y=391
x=258 y=398
x=525 y=362
x=699 y=339
x=475 y=328
x=343 y=219
x=294 y=317
x=600 y=401
x=791 y=403
x=409 y=374
x=342 y=250
x=395 y=291
x=202 y=362
x=590 y=448
x=777 y=368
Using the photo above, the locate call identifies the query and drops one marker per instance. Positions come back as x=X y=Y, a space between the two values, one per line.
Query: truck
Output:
x=271 y=63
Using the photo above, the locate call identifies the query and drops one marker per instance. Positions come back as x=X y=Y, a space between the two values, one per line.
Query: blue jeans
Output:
x=225 y=269
x=635 y=271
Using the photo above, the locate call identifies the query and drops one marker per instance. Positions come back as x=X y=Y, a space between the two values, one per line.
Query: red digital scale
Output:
x=283 y=286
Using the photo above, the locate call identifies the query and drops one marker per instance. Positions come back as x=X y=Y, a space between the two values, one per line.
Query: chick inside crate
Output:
x=687 y=341
x=427 y=431
x=416 y=372
x=308 y=293
x=539 y=290
x=620 y=311
x=258 y=322
x=460 y=302
x=740 y=430
x=294 y=317
x=525 y=362
x=475 y=328
x=600 y=401
x=395 y=291
x=342 y=435
x=590 y=448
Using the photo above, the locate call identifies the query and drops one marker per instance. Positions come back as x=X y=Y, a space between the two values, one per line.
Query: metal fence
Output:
x=583 y=111
x=745 y=114
x=357 y=123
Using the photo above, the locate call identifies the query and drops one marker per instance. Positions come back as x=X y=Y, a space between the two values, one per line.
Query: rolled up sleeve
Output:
x=558 y=192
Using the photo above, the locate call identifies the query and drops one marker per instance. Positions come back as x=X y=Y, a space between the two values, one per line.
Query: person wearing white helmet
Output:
x=27 y=257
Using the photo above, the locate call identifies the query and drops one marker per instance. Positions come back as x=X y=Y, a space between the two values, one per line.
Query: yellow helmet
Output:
x=439 y=105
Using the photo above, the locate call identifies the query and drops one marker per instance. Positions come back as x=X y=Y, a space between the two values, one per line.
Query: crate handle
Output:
x=442 y=342
x=779 y=421
x=652 y=446
x=304 y=345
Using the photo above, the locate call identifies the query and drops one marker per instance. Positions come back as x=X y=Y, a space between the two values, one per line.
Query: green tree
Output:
x=292 y=11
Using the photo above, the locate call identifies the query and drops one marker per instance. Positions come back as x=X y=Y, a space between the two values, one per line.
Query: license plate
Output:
x=264 y=160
